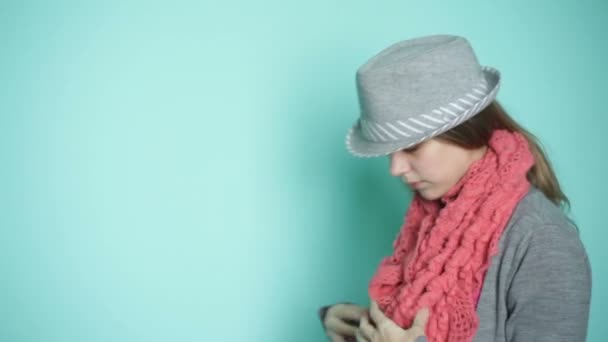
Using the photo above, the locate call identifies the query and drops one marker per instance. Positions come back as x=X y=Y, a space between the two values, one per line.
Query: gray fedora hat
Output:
x=417 y=89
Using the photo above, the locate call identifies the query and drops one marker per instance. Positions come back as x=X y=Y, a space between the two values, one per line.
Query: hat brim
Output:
x=358 y=146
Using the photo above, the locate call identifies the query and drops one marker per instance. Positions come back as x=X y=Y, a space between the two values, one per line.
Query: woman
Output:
x=486 y=252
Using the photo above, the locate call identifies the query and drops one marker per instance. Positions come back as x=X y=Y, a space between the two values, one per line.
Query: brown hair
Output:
x=476 y=131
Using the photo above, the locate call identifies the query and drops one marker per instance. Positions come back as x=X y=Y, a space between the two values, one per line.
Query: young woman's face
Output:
x=433 y=165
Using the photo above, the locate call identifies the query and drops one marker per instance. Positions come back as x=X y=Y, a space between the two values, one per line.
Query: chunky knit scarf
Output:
x=445 y=246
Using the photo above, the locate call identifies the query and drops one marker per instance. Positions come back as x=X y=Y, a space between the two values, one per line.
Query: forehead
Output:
x=431 y=145
x=427 y=141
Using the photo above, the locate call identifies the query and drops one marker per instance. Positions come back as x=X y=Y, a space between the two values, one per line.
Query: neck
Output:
x=479 y=153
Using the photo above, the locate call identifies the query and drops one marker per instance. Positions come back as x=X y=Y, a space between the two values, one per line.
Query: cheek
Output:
x=432 y=170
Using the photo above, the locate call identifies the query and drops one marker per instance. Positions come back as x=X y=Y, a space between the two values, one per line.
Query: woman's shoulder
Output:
x=538 y=223
x=535 y=211
x=546 y=271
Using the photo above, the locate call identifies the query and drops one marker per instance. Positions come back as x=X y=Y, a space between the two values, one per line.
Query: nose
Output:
x=400 y=164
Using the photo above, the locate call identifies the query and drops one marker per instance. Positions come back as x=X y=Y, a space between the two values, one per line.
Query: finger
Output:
x=360 y=338
x=334 y=337
x=376 y=314
x=339 y=326
x=351 y=311
x=366 y=329
x=421 y=318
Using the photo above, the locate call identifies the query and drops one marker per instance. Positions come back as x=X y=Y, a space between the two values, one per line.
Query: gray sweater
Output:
x=538 y=286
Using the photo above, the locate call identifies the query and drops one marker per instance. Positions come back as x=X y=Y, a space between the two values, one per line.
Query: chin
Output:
x=429 y=195
x=428 y=198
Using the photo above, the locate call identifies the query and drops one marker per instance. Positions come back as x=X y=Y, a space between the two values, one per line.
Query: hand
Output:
x=386 y=330
x=342 y=321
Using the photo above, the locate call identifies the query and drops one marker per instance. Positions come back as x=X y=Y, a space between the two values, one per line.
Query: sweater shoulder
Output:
x=539 y=224
x=535 y=213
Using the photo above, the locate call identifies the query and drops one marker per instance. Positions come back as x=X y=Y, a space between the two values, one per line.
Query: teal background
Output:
x=176 y=171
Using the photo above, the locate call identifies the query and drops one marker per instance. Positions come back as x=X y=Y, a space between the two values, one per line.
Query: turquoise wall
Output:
x=177 y=171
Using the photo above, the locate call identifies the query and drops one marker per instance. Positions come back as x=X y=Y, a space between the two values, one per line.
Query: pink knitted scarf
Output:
x=445 y=246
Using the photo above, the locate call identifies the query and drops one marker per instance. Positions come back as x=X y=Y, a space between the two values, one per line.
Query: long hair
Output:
x=476 y=132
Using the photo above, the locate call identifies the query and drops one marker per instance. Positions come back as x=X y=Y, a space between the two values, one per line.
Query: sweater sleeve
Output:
x=550 y=292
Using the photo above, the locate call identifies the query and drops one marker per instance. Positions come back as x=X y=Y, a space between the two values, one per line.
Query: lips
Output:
x=414 y=185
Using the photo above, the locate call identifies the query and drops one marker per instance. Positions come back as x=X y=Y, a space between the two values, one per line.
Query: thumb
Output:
x=421 y=318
